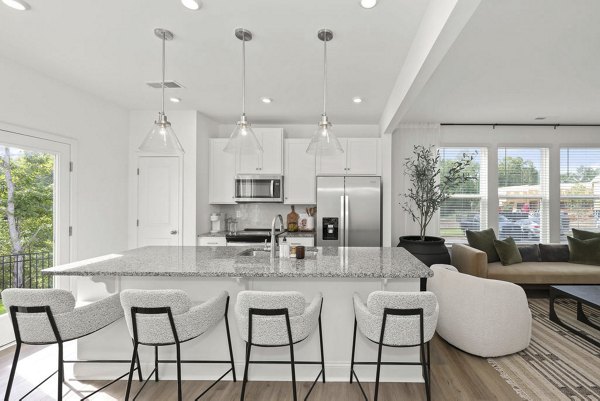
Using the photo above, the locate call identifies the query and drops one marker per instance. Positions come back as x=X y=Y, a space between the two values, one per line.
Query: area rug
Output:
x=557 y=365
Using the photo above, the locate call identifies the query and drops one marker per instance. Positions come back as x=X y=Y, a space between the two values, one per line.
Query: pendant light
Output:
x=243 y=139
x=162 y=138
x=324 y=141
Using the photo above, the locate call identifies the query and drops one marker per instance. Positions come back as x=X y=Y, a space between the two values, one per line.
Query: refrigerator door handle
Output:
x=346 y=222
x=342 y=227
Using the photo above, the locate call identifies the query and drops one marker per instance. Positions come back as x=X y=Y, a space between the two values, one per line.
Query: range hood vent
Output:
x=168 y=85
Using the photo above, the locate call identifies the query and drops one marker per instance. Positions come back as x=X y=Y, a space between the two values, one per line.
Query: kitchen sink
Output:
x=259 y=252
x=255 y=252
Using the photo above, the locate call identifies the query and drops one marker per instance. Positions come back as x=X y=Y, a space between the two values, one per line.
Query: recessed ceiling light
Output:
x=368 y=3
x=266 y=100
x=17 y=4
x=540 y=118
x=192 y=4
x=357 y=99
x=175 y=99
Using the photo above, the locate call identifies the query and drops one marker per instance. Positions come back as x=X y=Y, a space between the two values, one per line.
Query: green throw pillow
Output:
x=584 y=251
x=581 y=234
x=508 y=251
x=484 y=241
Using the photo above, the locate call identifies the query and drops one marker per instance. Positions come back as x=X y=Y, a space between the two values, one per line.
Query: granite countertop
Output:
x=191 y=261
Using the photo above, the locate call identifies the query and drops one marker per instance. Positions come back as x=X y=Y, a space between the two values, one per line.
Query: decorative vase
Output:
x=431 y=251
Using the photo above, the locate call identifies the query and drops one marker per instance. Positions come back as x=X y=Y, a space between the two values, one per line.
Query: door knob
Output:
x=173 y=232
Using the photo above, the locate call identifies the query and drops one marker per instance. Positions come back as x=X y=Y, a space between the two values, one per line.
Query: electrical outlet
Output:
x=238 y=214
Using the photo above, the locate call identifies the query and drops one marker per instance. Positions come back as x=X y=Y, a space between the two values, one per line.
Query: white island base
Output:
x=114 y=341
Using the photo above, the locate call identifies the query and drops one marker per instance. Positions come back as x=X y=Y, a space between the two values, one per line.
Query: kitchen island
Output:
x=204 y=271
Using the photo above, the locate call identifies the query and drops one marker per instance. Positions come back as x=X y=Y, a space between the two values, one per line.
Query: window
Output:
x=523 y=194
x=579 y=190
x=467 y=207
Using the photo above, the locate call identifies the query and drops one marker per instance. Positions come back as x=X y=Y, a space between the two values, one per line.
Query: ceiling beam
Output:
x=442 y=23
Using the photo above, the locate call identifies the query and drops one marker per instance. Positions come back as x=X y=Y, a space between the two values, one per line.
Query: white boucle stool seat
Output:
x=50 y=316
x=278 y=319
x=271 y=330
x=168 y=317
x=396 y=319
x=483 y=317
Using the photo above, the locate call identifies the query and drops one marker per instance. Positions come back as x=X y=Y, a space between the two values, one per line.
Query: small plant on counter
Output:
x=430 y=185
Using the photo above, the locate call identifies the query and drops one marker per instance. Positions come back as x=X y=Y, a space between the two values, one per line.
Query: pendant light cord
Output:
x=243 y=73
x=164 y=37
x=325 y=74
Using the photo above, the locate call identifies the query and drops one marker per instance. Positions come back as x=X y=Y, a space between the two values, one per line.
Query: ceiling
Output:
x=108 y=48
x=517 y=60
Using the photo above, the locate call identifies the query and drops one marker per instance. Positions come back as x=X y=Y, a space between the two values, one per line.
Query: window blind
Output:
x=466 y=209
x=579 y=190
x=523 y=195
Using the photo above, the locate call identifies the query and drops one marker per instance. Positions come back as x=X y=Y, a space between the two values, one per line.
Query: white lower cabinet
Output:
x=212 y=241
x=304 y=241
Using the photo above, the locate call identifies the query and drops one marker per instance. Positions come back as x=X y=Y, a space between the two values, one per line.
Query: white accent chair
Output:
x=278 y=319
x=166 y=317
x=49 y=316
x=396 y=319
x=483 y=317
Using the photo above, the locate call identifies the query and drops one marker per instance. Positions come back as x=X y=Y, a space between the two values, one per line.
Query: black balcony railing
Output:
x=25 y=270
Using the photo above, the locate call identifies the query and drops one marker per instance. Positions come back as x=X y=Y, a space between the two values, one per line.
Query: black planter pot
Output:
x=431 y=251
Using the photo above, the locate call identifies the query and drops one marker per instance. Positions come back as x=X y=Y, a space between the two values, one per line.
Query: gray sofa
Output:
x=474 y=262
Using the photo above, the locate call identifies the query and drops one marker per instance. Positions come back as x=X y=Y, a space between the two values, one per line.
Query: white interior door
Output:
x=159 y=201
x=29 y=148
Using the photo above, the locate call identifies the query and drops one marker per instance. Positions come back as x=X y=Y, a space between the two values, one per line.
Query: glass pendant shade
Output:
x=324 y=141
x=162 y=139
x=243 y=139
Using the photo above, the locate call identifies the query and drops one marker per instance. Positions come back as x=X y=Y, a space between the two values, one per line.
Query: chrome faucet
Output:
x=274 y=236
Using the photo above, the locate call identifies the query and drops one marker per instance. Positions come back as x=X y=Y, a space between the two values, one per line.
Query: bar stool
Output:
x=396 y=319
x=278 y=319
x=49 y=316
x=166 y=317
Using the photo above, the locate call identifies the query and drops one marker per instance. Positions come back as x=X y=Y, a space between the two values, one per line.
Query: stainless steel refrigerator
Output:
x=348 y=211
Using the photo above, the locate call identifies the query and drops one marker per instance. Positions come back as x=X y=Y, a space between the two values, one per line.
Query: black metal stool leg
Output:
x=156 y=363
x=61 y=371
x=321 y=344
x=353 y=348
x=131 y=369
x=13 y=370
x=179 y=392
x=245 y=380
x=293 y=371
x=229 y=344
x=139 y=366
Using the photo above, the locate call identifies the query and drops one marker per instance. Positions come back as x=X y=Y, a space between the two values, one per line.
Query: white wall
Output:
x=30 y=99
x=487 y=136
x=205 y=128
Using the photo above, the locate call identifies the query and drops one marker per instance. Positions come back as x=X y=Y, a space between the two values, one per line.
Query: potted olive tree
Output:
x=430 y=187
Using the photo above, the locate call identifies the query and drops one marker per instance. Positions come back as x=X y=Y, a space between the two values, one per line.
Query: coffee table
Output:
x=583 y=294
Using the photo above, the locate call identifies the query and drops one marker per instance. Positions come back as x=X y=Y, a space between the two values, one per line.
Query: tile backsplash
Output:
x=258 y=215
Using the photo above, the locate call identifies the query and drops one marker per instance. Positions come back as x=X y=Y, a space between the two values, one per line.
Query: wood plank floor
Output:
x=455 y=376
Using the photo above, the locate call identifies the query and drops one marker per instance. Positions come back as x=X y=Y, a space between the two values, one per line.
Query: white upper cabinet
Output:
x=221 y=173
x=270 y=161
x=333 y=164
x=299 y=176
x=360 y=157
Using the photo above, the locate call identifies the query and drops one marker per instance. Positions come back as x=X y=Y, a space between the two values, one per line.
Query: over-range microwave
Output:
x=259 y=188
